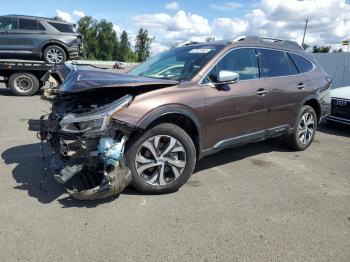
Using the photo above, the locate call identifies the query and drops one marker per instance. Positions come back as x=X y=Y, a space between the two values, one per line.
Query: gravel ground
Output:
x=260 y=202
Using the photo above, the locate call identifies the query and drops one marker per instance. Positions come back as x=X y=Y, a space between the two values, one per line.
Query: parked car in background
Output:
x=24 y=37
x=118 y=65
x=108 y=130
x=340 y=112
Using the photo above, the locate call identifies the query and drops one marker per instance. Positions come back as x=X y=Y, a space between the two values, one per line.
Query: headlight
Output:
x=96 y=120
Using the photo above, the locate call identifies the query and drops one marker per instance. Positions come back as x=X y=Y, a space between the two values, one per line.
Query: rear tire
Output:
x=54 y=54
x=305 y=129
x=23 y=84
x=172 y=162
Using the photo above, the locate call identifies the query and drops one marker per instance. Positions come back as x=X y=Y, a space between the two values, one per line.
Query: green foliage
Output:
x=102 y=43
x=143 y=45
x=321 y=49
x=124 y=47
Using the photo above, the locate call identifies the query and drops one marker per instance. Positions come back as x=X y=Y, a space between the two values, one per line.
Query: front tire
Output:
x=305 y=129
x=54 y=54
x=161 y=160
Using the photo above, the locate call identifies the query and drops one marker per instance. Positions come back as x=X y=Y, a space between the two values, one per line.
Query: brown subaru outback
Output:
x=149 y=127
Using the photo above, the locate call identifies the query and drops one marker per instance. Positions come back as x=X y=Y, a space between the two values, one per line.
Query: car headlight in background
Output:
x=96 y=120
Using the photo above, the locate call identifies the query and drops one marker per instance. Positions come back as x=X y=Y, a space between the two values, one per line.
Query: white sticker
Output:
x=200 y=51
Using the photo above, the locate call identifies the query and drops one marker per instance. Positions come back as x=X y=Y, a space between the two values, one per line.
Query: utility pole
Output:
x=306 y=22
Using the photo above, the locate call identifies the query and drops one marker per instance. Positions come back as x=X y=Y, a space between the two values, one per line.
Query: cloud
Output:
x=226 y=6
x=179 y=27
x=117 y=29
x=229 y=28
x=64 y=15
x=172 y=6
x=286 y=19
x=157 y=48
x=329 y=22
x=79 y=13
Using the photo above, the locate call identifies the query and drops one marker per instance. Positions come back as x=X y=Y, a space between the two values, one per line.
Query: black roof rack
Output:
x=38 y=17
x=257 y=39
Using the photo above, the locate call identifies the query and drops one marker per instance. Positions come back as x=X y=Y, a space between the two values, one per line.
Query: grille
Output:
x=341 y=108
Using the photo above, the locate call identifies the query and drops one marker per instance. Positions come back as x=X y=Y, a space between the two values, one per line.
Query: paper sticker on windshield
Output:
x=200 y=51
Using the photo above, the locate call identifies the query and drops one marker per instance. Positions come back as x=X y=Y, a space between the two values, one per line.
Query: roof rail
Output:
x=187 y=43
x=280 y=42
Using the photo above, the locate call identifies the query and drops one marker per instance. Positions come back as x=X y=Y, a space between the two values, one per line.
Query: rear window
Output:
x=274 y=63
x=29 y=24
x=302 y=64
x=64 y=28
x=8 y=23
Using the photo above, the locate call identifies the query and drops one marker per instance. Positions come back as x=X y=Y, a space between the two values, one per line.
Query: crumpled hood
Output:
x=85 y=77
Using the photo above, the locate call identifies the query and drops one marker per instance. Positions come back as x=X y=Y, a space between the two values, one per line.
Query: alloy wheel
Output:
x=160 y=160
x=54 y=56
x=306 y=128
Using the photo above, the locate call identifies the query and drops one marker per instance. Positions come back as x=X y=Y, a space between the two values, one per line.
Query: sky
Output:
x=171 y=22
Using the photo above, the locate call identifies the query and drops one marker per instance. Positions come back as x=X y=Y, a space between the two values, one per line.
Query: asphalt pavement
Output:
x=260 y=202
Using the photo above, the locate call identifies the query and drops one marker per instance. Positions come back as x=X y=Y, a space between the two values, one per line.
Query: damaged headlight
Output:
x=96 y=120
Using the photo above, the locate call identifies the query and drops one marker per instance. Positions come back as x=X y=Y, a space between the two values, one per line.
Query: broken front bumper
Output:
x=89 y=168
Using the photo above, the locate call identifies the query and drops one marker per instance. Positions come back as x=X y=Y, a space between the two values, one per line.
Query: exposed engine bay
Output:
x=86 y=143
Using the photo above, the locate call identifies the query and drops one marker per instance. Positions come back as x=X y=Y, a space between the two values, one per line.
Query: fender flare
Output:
x=54 y=42
x=154 y=115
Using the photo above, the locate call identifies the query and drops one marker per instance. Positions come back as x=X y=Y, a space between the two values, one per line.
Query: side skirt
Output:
x=247 y=138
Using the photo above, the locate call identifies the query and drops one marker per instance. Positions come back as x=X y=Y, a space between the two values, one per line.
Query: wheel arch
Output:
x=181 y=117
x=60 y=44
x=314 y=103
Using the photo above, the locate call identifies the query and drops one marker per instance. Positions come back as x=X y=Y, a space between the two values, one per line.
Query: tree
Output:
x=124 y=47
x=143 y=45
x=340 y=50
x=58 y=18
x=106 y=40
x=321 y=49
x=88 y=27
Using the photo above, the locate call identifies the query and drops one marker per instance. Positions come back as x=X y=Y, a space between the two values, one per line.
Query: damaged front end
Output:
x=86 y=145
x=86 y=142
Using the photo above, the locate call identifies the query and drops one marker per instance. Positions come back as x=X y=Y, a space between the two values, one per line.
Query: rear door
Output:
x=283 y=80
x=8 y=26
x=235 y=112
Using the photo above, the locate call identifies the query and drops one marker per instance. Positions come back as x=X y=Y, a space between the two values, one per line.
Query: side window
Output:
x=242 y=61
x=41 y=27
x=274 y=63
x=293 y=69
x=303 y=64
x=64 y=28
x=27 y=24
x=8 y=23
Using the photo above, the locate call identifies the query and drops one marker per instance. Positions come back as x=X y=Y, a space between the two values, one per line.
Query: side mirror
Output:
x=227 y=77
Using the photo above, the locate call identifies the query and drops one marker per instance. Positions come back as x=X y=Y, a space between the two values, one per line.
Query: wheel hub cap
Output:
x=160 y=160
x=306 y=128
x=54 y=56
x=23 y=83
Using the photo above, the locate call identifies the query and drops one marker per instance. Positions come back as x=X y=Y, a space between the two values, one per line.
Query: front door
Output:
x=8 y=26
x=235 y=112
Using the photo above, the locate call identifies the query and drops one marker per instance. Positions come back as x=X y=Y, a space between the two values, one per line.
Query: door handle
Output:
x=262 y=92
x=301 y=86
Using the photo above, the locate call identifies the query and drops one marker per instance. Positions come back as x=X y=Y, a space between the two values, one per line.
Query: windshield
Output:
x=178 y=63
